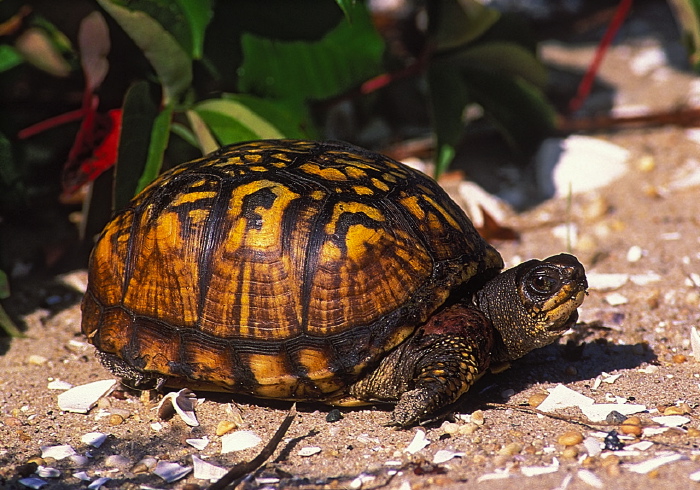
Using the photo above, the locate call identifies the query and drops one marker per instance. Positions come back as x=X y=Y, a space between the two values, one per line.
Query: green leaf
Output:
x=197 y=14
x=171 y=63
x=457 y=22
x=235 y=119
x=507 y=59
x=503 y=79
x=6 y=322
x=347 y=7
x=138 y=115
x=159 y=141
x=201 y=135
x=687 y=13
x=346 y=56
x=448 y=97
x=4 y=285
x=517 y=107
x=9 y=57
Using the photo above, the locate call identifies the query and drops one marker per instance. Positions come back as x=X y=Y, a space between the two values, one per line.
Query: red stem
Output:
x=584 y=87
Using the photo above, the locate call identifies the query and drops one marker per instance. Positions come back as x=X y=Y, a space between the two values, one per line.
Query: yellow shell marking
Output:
x=352 y=207
x=380 y=185
x=325 y=173
x=445 y=214
x=411 y=204
x=362 y=190
x=192 y=197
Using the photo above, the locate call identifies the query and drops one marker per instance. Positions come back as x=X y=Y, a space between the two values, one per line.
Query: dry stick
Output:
x=243 y=469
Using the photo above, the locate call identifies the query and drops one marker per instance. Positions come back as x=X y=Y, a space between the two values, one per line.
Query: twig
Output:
x=243 y=469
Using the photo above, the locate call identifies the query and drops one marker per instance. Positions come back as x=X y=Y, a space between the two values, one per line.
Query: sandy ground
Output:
x=639 y=332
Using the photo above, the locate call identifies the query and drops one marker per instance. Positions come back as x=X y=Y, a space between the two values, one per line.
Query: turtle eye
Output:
x=544 y=282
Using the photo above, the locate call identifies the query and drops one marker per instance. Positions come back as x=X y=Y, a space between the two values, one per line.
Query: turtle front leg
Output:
x=433 y=368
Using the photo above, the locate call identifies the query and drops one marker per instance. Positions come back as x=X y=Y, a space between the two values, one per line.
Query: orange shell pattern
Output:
x=282 y=269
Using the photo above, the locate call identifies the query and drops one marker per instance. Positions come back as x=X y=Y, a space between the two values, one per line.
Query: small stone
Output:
x=679 y=358
x=674 y=410
x=309 y=451
x=116 y=419
x=478 y=417
x=536 y=399
x=225 y=426
x=450 y=428
x=632 y=426
x=12 y=422
x=468 y=429
x=570 y=452
x=693 y=432
x=117 y=461
x=511 y=449
x=570 y=438
x=146 y=465
x=615 y=417
x=334 y=415
x=36 y=360
x=612 y=442
x=635 y=253
x=646 y=163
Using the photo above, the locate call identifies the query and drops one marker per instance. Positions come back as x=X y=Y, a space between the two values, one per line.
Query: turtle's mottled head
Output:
x=532 y=304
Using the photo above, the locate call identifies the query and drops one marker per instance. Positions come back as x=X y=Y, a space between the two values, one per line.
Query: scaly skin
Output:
x=523 y=308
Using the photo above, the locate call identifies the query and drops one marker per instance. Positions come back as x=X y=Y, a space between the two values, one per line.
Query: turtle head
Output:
x=531 y=305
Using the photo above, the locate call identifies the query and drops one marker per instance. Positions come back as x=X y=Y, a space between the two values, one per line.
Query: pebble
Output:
x=225 y=426
x=334 y=415
x=612 y=442
x=146 y=465
x=615 y=417
x=511 y=449
x=679 y=358
x=635 y=253
x=116 y=419
x=117 y=461
x=450 y=428
x=468 y=429
x=632 y=426
x=478 y=417
x=570 y=438
x=693 y=432
x=36 y=360
x=677 y=409
x=536 y=399
x=570 y=453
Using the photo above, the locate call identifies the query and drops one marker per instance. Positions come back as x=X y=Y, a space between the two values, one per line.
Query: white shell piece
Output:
x=98 y=483
x=33 y=482
x=309 y=451
x=94 y=439
x=80 y=399
x=198 y=444
x=578 y=164
x=184 y=402
x=590 y=478
x=239 y=440
x=444 y=455
x=57 y=384
x=57 y=452
x=419 y=442
x=616 y=299
x=650 y=465
x=671 y=420
x=46 y=472
x=207 y=471
x=603 y=281
x=171 y=472
x=695 y=343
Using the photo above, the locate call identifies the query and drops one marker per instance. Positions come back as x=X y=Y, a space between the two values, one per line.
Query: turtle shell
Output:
x=281 y=269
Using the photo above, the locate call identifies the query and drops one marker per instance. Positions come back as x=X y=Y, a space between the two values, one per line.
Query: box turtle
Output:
x=302 y=270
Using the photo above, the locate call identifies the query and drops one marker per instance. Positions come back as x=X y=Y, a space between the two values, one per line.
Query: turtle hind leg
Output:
x=433 y=368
